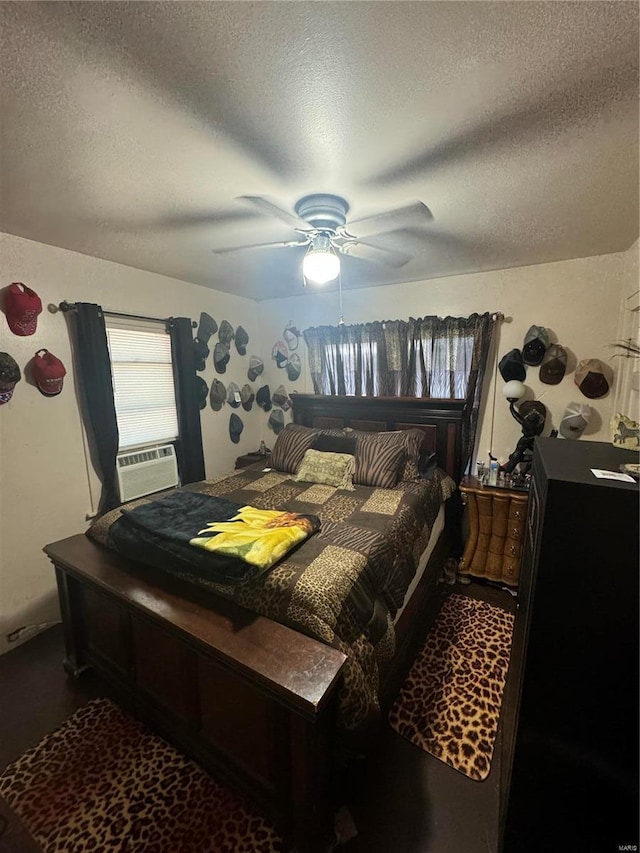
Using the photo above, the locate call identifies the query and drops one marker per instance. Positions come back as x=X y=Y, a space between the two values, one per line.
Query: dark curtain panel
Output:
x=189 y=446
x=482 y=326
x=433 y=357
x=93 y=368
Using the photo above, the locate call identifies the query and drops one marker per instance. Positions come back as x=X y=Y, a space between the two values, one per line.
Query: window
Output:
x=143 y=388
x=447 y=363
x=355 y=364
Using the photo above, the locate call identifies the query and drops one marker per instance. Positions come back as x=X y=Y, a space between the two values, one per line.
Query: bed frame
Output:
x=250 y=699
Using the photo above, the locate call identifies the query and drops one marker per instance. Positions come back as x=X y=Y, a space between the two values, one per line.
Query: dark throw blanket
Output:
x=167 y=534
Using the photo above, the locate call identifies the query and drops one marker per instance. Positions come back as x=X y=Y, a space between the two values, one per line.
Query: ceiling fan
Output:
x=321 y=222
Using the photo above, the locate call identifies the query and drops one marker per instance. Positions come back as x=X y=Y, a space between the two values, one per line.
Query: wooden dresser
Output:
x=496 y=531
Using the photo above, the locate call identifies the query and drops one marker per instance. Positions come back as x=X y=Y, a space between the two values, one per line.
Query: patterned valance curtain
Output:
x=432 y=357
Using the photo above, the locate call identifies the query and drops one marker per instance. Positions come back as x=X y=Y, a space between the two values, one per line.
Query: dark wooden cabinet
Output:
x=570 y=733
x=250 y=459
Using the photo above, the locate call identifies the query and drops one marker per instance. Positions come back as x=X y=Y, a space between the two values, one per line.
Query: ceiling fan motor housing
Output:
x=324 y=212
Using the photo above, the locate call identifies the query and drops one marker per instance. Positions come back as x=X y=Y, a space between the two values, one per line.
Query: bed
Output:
x=270 y=695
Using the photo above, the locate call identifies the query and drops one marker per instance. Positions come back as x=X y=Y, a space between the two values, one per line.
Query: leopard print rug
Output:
x=104 y=783
x=450 y=703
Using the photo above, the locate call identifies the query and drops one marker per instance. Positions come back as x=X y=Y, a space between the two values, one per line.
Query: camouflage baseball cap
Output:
x=9 y=376
x=217 y=395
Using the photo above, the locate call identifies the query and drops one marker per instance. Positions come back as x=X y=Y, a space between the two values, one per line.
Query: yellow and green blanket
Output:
x=209 y=537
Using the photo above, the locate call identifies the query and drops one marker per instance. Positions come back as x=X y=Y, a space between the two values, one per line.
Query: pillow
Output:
x=378 y=461
x=329 y=443
x=330 y=469
x=409 y=439
x=291 y=445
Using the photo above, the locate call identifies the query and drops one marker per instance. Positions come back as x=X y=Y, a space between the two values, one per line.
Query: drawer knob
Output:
x=513 y=550
x=517 y=514
x=515 y=533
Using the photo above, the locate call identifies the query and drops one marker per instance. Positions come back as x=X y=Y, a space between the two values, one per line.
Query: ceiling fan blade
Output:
x=273 y=209
x=279 y=245
x=391 y=220
x=366 y=252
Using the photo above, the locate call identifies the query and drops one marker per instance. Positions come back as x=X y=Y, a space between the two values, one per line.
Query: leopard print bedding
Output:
x=450 y=704
x=104 y=783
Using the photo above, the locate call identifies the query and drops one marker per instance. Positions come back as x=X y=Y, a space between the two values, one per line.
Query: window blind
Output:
x=143 y=388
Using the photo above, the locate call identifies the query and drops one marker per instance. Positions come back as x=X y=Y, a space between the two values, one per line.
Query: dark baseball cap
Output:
x=206 y=327
x=256 y=366
x=554 y=365
x=202 y=391
x=9 y=376
x=225 y=333
x=276 y=420
x=511 y=366
x=201 y=353
x=263 y=398
x=247 y=397
x=217 y=395
x=535 y=345
x=235 y=428
x=590 y=378
x=242 y=339
x=294 y=366
x=535 y=413
x=281 y=398
x=280 y=353
x=221 y=357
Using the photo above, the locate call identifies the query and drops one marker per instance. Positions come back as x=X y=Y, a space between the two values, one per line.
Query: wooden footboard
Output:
x=248 y=698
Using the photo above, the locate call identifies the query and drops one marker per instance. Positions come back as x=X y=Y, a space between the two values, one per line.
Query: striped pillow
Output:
x=379 y=461
x=291 y=445
x=409 y=439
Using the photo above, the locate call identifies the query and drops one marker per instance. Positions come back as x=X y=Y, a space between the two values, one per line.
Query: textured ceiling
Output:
x=129 y=129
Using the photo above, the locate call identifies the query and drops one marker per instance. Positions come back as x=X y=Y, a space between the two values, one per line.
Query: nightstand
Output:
x=496 y=531
x=249 y=459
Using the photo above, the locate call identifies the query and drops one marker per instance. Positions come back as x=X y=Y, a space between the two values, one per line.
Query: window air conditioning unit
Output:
x=142 y=472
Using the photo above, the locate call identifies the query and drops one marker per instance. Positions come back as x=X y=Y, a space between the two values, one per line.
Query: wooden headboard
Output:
x=440 y=420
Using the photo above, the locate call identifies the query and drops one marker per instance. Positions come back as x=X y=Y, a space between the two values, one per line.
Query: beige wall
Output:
x=44 y=486
x=577 y=300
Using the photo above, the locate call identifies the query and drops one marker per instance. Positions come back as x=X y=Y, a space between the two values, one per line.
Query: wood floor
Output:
x=402 y=800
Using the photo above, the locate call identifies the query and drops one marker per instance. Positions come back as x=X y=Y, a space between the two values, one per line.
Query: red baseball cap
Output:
x=48 y=372
x=22 y=306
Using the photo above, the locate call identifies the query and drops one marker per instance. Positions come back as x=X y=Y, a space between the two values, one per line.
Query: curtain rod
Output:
x=70 y=306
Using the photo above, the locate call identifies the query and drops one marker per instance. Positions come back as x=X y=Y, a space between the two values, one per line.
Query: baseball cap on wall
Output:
x=590 y=378
x=217 y=395
x=276 y=420
x=511 y=366
x=9 y=376
x=235 y=428
x=535 y=345
x=48 y=373
x=263 y=398
x=22 y=305
x=294 y=366
x=256 y=366
x=554 y=365
x=575 y=420
x=221 y=358
x=202 y=391
x=242 y=339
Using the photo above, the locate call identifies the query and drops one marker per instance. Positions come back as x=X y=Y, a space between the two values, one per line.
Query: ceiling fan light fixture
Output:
x=321 y=263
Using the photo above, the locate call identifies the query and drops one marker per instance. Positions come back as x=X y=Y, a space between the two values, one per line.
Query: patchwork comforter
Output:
x=344 y=584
